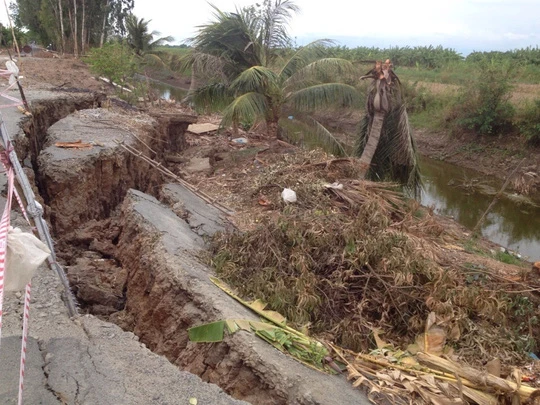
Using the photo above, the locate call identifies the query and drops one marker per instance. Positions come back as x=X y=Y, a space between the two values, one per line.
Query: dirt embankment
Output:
x=496 y=157
x=127 y=257
x=132 y=260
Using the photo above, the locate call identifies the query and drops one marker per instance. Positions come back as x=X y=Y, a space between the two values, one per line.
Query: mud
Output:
x=136 y=262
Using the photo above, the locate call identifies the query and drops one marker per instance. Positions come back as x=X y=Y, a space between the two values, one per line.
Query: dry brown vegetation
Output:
x=342 y=263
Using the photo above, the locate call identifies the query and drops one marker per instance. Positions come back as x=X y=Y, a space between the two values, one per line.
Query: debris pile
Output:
x=352 y=260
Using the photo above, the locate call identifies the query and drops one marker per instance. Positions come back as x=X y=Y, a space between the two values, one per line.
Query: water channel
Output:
x=464 y=195
x=164 y=90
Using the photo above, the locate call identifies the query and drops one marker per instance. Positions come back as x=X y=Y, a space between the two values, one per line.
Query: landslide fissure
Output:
x=114 y=264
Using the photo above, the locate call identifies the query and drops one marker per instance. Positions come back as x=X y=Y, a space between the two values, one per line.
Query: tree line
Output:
x=71 y=26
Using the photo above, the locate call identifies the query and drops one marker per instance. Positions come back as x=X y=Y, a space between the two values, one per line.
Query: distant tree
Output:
x=140 y=39
x=6 y=37
x=71 y=25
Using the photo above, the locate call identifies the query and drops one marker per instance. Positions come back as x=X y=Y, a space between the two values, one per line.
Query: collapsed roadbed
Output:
x=132 y=245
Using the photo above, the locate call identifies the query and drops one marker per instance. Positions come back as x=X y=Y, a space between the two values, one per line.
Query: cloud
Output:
x=480 y=23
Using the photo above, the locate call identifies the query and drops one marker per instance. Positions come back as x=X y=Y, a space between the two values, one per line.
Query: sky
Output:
x=464 y=25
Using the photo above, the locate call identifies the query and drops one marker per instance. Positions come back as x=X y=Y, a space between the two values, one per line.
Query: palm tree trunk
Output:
x=272 y=129
x=272 y=123
x=372 y=142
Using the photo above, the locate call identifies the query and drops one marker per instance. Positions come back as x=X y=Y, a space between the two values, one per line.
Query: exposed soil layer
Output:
x=134 y=261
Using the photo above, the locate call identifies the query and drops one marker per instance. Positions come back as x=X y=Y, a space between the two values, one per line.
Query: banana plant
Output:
x=272 y=328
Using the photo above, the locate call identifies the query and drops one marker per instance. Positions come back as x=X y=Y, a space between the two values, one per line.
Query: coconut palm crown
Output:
x=140 y=39
x=385 y=144
x=256 y=76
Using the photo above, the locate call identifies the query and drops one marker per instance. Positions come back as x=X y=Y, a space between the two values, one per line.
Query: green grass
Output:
x=457 y=73
x=471 y=245
x=175 y=50
x=507 y=258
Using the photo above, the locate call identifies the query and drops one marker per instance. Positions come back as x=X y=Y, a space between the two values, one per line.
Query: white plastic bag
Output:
x=288 y=195
x=24 y=254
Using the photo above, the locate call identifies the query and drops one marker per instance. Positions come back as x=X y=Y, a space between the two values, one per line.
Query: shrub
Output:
x=114 y=61
x=529 y=123
x=484 y=105
x=416 y=96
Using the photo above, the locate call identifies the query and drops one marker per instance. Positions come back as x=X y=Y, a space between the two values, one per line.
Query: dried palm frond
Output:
x=396 y=157
x=385 y=143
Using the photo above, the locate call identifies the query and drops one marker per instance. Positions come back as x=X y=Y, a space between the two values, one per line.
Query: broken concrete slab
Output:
x=203 y=219
x=90 y=183
x=202 y=128
x=176 y=235
x=47 y=108
x=174 y=126
x=112 y=367
x=35 y=390
x=167 y=293
x=198 y=165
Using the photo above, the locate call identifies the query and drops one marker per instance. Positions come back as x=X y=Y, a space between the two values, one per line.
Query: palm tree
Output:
x=385 y=144
x=257 y=79
x=140 y=39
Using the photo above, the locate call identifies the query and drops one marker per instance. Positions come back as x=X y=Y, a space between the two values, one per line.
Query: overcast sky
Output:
x=464 y=25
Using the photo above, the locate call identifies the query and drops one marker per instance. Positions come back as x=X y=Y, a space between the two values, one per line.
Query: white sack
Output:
x=25 y=253
x=288 y=195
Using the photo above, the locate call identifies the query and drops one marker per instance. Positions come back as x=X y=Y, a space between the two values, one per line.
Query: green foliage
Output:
x=114 y=61
x=484 y=105
x=140 y=39
x=529 y=122
x=507 y=258
x=244 y=51
x=429 y=57
x=6 y=36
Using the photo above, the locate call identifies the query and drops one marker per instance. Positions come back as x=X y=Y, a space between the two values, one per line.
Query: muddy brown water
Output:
x=464 y=195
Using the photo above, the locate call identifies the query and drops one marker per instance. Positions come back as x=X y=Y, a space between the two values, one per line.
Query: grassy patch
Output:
x=507 y=258
x=175 y=50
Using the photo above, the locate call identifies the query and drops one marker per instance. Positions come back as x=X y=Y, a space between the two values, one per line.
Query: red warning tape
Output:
x=4 y=226
x=26 y=316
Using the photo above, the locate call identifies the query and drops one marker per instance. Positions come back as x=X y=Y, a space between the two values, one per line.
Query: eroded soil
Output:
x=110 y=256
